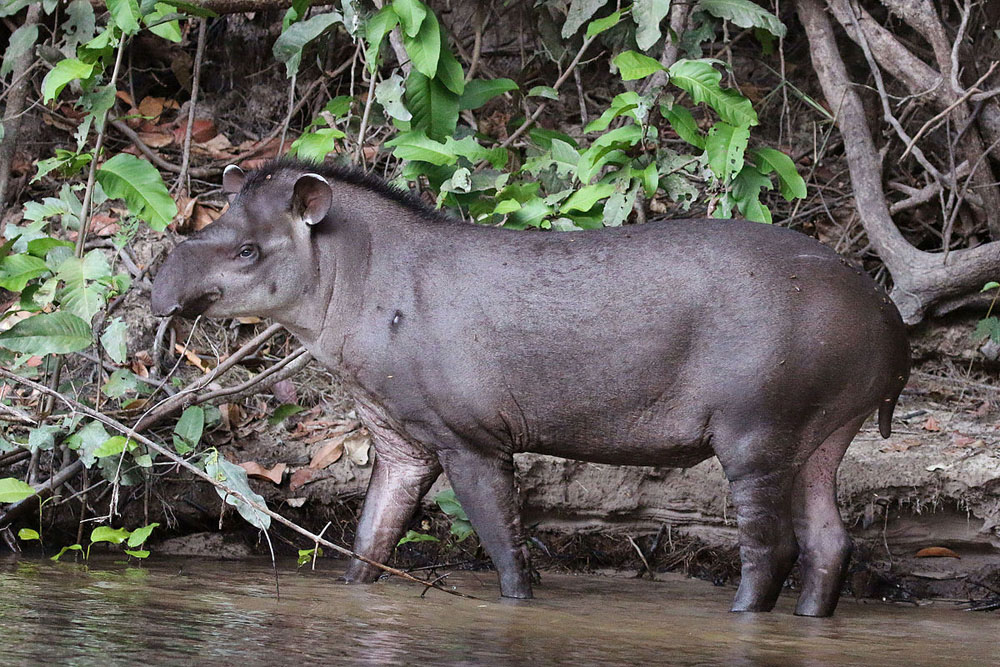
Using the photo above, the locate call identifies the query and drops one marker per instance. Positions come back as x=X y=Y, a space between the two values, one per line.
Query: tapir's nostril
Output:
x=167 y=312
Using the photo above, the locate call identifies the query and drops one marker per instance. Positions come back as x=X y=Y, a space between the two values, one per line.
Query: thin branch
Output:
x=181 y=182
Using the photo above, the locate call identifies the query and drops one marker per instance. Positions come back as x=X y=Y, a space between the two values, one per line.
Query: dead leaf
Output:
x=137 y=404
x=151 y=107
x=357 y=445
x=936 y=552
x=125 y=97
x=204 y=215
x=328 y=454
x=231 y=415
x=218 y=147
x=301 y=477
x=102 y=224
x=33 y=362
x=931 y=425
x=285 y=392
x=201 y=131
x=140 y=368
x=156 y=139
x=145 y=357
x=962 y=440
x=192 y=358
x=251 y=319
x=255 y=469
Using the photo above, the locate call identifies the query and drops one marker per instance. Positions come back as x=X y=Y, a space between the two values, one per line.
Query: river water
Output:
x=175 y=611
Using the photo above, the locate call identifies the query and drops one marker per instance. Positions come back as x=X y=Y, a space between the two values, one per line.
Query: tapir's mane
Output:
x=333 y=173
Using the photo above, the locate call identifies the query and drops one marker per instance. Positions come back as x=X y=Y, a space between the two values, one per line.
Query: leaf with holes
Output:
x=20 y=42
x=790 y=182
x=389 y=93
x=745 y=192
x=288 y=47
x=701 y=80
x=725 y=148
x=235 y=478
x=84 y=292
x=647 y=15
x=745 y=14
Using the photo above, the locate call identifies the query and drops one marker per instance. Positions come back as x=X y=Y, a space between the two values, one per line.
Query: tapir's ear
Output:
x=311 y=198
x=232 y=179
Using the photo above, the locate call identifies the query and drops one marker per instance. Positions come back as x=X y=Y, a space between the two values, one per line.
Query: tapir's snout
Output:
x=178 y=289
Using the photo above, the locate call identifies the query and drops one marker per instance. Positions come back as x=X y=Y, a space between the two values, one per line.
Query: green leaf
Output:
x=21 y=42
x=434 y=107
x=389 y=93
x=235 y=477
x=109 y=535
x=450 y=72
x=623 y=104
x=650 y=177
x=990 y=285
x=121 y=382
x=138 y=182
x=27 y=534
x=47 y=333
x=461 y=529
x=113 y=340
x=113 y=446
x=580 y=11
x=414 y=536
x=449 y=504
x=125 y=14
x=633 y=65
x=597 y=26
x=13 y=490
x=424 y=48
x=744 y=13
x=585 y=198
x=603 y=148
x=746 y=193
x=17 y=270
x=72 y=547
x=87 y=441
x=376 y=29
x=80 y=24
x=411 y=15
x=306 y=555
x=548 y=92
x=618 y=206
x=283 y=412
x=315 y=146
x=85 y=290
x=789 y=181
x=480 y=91
x=43 y=438
x=725 y=148
x=139 y=553
x=59 y=76
x=288 y=47
x=190 y=426
x=415 y=145
x=988 y=327
x=163 y=22
x=140 y=535
x=701 y=81
x=647 y=15
x=684 y=124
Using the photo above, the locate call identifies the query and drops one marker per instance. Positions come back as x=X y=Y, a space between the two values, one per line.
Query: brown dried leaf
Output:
x=192 y=358
x=255 y=469
x=125 y=97
x=201 y=131
x=231 y=415
x=218 y=147
x=151 y=107
x=204 y=215
x=251 y=319
x=328 y=454
x=931 y=425
x=357 y=445
x=301 y=477
x=137 y=404
x=102 y=224
x=936 y=552
x=139 y=367
x=156 y=139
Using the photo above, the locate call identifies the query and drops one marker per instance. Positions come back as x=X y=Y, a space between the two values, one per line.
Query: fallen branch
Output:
x=197 y=472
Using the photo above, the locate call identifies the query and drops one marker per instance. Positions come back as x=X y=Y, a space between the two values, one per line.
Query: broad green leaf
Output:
x=633 y=65
x=461 y=529
x=450 y=72
x=87 y=441
x=434 y=107
x=283 y=412
x=315 y=146
x=288 y=47
x=548 y=92
x=725 y=148
x=701 y=81
x=163 y=22
x=449 y=504
x=601 y=151
x=598 y=26
x=990 y=285
x=47 y=333
x=744 y=13
x=414 y=536
x=684 y=124
x=585 y=198
x=480 y=91
x=17 y=270
x=789 y=181
x=13 y=490
x=27 y=534
x=647 y=15
x=473 y=151
x=137 y=182
x=424 y=48
x=235 y=478
x=43 y=438
x=411 y=15
x=376 y=29
x=988 y=327
x=40 y=247
x=623 y=104
x=125 y=14
x=618 y=206
x=113 y=340
x=72 y=547
x=650 y=177
x=389 y=93
x=109 y=534
x=190 y=426
x=140 y=535
x=415 y=145
x=580 y=11
x=59 y=76
x=746 y=193
x=137 y=553
x=113 y=446
x=20 y=42
x=85 y=292
x=121 y=382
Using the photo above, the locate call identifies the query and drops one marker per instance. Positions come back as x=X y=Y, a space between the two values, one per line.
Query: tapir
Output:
x=659 y=344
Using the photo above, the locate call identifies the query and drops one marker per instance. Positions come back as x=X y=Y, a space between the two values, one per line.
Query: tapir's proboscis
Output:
x=659 y=344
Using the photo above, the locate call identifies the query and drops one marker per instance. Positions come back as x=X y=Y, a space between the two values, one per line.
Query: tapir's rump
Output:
x=656 y=344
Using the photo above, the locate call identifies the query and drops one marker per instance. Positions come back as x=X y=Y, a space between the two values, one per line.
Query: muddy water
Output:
x=184 y=611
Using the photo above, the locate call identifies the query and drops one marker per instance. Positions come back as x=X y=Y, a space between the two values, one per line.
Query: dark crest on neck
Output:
x=335 y=174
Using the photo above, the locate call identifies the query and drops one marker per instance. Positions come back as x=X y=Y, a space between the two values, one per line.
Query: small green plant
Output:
x=460 y=528
x=133 y=540
x=989 y=326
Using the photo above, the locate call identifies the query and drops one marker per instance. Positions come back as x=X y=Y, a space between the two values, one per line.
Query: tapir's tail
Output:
x=888 y=404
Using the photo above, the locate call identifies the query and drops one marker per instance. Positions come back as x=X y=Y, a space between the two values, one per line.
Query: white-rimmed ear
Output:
x=311 y=198
x=232 y=179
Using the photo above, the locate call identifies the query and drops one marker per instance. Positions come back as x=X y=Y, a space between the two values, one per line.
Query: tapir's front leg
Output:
x=400 y=478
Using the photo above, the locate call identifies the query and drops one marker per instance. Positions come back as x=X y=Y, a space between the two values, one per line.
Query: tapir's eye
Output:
x=248 y=251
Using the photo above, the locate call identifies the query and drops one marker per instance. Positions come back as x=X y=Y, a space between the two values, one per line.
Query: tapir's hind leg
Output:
x=399 y=480
x=823 y=540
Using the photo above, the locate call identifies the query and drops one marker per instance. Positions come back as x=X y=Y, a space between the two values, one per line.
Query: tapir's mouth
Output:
x=191 y=308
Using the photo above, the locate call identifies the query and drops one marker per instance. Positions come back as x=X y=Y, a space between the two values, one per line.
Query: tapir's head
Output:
x=257 y=258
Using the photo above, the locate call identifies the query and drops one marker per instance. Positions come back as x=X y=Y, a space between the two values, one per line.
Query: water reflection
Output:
x=178 y=611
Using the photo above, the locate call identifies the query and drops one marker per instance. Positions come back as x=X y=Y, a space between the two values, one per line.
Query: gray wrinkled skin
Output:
x=660 y=344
